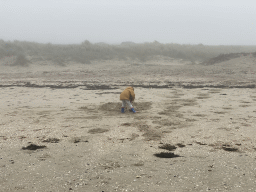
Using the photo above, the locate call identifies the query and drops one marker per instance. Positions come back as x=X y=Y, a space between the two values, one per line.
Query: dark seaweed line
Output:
x=109 y=87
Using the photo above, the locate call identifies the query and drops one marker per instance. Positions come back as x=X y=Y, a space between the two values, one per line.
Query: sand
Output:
x=61 y=128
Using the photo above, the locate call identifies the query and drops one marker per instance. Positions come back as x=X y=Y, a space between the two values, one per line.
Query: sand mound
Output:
x=226 y=57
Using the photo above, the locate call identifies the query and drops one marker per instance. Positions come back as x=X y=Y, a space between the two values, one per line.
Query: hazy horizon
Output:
x=113 y=22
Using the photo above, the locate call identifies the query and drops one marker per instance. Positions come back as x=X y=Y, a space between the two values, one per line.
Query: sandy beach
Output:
x=61 y=127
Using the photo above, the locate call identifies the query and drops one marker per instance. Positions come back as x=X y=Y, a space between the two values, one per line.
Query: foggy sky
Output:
x=225 y=22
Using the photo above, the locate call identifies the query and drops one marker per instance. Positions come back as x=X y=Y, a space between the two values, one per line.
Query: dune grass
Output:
x=87 y=52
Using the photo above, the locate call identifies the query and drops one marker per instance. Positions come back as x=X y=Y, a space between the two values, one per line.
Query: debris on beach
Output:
x=33 y=147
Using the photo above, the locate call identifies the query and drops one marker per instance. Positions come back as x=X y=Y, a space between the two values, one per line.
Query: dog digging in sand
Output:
x=127 y=96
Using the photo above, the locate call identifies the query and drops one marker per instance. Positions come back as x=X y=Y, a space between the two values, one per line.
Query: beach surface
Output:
x=61 y=127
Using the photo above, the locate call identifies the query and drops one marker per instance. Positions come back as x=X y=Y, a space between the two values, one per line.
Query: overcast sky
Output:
x=225 y=22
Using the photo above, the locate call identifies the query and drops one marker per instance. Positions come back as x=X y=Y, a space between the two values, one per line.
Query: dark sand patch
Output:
x=138 y=164
x=181 y=145
x=152 y=134
x=200 y=115
x=93 y=117
x=166 y=155
x=126 y=124
x=245 y=102
x=110 y=165
x=185 y=102
x=227 y=108
x=167 y=122
x=97 y=130
x=203 y=96
x=215 y=120
x=224 y=128
x=168 y=147
x=170 y=110
x=140 y=117
x=108 y=93
x=79 y=139
x=200 y=143
x=220 y=112
x=44 y=157
x=229 y=148
x=116 y=107
x=244 y=105
x=96 y=87
x=33 y=147
x=214 y=90
x=91 y=109
x=167 y=130
x=133 y=136
x=143 y=127
x=225 y=147
x=51 y=140
x=190 y=120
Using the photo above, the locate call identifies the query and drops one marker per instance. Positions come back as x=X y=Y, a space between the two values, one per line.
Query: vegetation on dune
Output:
x=87 y=52
x=21 y=60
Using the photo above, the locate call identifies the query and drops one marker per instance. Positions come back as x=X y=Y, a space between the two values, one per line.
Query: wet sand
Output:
x=61 y=128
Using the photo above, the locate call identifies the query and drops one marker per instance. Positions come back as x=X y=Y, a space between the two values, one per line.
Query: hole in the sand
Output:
x=138 y=106
x=229 y=148
x=97 y=130
x=51 y=140
x=168 y=147
x=166 y=155
x=126 y=124
x=181 y=145
x=33 y=147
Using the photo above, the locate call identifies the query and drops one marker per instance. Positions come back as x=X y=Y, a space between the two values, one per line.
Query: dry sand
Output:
x=194 y=130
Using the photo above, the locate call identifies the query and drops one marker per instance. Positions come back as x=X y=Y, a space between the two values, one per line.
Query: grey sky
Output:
x=226 y=22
